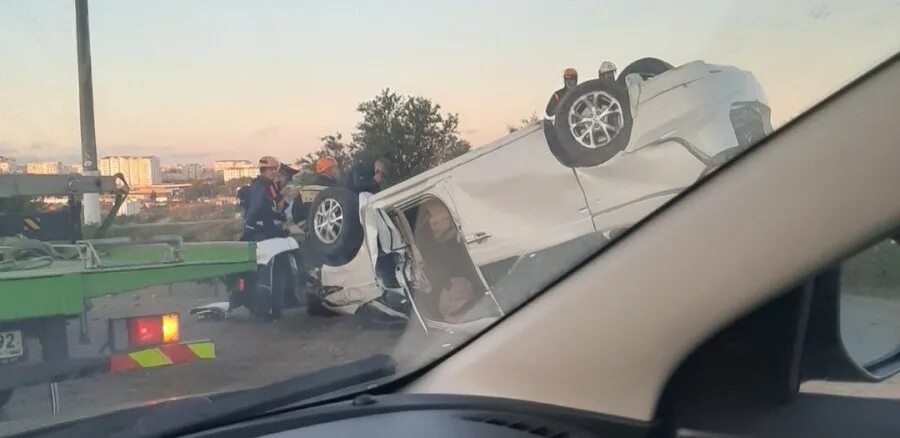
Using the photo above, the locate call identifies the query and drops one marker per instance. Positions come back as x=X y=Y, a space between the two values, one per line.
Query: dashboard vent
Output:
x=514 y=423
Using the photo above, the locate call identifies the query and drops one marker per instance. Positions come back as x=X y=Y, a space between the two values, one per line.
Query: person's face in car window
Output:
x=439 y=221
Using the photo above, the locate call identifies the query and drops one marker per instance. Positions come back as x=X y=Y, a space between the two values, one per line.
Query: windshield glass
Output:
x=290 y=186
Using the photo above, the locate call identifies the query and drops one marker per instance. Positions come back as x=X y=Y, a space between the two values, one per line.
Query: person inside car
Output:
x=364 y=177
x=570 y=80
x=264 y=215
x=445 y=265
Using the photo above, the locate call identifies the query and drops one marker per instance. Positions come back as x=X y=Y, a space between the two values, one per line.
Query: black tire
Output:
x=282 y=282
x=314 y=306
x=274 y=281
x=54 y=340
x=349 y=235
x=5 y=396
x=553 y=142
x=646 y=67
x=563 y=143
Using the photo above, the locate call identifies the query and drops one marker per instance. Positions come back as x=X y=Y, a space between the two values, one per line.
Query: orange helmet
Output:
x=324 y=164
x=570 y=73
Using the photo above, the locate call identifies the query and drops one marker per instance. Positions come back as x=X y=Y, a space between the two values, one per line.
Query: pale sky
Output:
x=198 y=80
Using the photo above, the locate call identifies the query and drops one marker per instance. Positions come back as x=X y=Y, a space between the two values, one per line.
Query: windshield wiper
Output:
x=191 y=414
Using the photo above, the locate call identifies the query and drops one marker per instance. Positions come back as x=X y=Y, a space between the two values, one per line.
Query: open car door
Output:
x=428 y=270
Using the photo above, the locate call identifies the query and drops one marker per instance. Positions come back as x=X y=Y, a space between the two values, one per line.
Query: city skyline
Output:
x=200 y=80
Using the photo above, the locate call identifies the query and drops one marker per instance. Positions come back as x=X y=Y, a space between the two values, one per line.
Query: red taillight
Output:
x=144 y=331
x=240 y=285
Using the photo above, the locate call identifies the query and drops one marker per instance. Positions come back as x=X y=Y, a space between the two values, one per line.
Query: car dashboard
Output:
x=433 y=416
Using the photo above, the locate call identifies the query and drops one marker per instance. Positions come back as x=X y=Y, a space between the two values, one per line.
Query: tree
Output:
x=410 y=131
x=525 y=122
x=200 y=190
x=333 y=146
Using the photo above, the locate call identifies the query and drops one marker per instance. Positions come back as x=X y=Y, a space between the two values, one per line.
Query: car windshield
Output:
x=199 y=197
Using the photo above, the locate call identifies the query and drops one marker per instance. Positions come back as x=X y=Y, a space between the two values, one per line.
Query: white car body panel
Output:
x=692 y=102
x=633 y=182
x=519 y=198
x=357 y=281
x=269 y=248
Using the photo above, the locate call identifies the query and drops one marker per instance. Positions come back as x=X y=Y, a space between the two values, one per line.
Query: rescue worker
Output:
x=326 y=172
x=570 y=81
x=325 y=175
x=607 y=71
x=264 y=217
x=364 y=177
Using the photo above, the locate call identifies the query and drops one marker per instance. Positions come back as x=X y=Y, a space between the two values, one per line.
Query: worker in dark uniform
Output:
x=570 y=81
x=364 y=177
x=264 y=217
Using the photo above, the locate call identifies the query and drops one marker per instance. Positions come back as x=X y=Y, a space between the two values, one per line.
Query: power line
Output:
x=39 y=30
x=22 y=120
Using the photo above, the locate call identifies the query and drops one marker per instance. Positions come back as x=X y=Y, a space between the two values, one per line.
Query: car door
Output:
x=516 y=198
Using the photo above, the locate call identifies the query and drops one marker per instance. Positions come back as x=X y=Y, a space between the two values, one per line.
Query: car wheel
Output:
x=5 y=396
x=553 y=142
x=334 y=228
x=646 y=67
x=593 y=124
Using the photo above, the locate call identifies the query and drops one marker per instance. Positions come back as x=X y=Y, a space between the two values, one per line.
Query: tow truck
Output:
x=48 y=279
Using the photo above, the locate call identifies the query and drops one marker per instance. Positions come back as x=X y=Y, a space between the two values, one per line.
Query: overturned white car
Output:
x=492 y=224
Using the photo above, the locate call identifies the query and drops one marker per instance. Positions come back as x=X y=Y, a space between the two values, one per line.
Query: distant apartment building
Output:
x=182 y=172
x=45 y=168
x=138 y=171
x=8 y=165
x=76 y=168
x=193 y=171
x=246 y=171
x=220 y=166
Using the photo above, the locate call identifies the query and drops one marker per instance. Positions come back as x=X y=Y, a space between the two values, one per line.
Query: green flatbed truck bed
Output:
x=61 y=288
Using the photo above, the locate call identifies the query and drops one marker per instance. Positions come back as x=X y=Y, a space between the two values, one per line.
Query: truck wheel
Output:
x=646 y=67
x=54 y=340
x=282 y=281
x=334 y=228
x=5 y=396
x=593 y=124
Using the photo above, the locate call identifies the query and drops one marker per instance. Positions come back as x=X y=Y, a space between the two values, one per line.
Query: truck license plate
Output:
x=11 y=344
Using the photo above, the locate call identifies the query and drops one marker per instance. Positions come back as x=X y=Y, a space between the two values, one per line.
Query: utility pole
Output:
x=91 y=201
